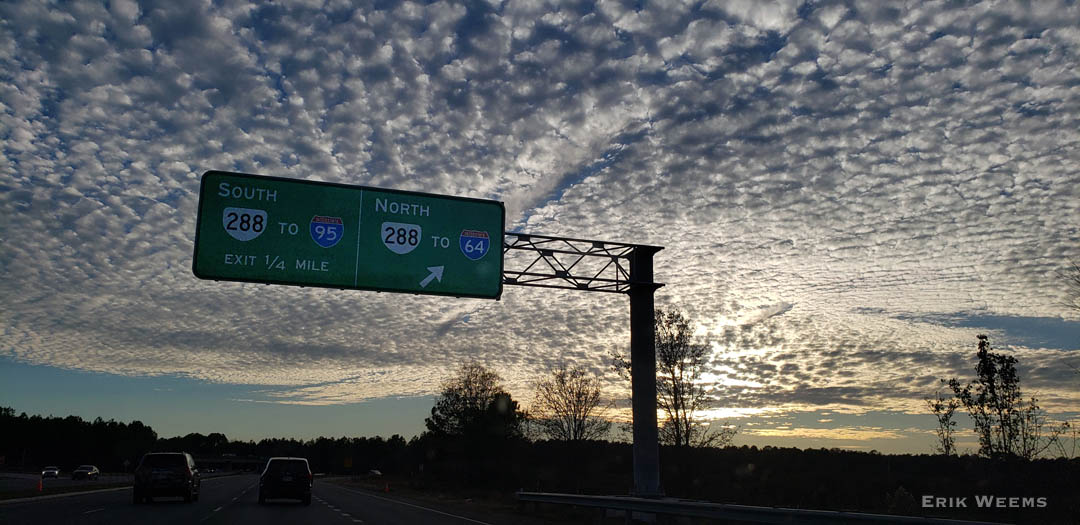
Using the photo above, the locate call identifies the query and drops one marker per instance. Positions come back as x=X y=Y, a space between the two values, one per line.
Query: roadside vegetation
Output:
x=1008 y=425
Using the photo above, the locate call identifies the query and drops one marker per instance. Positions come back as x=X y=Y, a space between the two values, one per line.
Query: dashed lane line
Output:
x=342 y=513
x=211 y=515
x=470 y=520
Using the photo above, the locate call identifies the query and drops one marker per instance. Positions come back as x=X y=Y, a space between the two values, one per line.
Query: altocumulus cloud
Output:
x=830 y=180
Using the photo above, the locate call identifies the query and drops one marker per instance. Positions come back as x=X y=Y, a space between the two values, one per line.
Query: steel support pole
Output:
x=643 y=373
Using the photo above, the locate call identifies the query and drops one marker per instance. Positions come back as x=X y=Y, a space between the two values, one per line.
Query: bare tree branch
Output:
x=943 y=409
x=1071 y=277
x=567 y=406
x=679 y=364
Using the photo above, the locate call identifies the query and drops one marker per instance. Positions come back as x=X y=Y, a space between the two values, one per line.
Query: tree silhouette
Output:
x=567 y=405
x=1006 y=425
x=474 y=403
x=1071 y=276
x=679 y=364
x=1072 y=285
x=474 y=428
x=943 y=409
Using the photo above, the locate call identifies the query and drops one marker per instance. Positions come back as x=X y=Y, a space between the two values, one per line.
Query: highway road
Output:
x=234 y=499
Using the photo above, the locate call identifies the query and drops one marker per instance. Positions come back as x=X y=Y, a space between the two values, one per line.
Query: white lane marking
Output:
x=83 y=493
x=211 y=515
x=93 y=511
x=216 y=478
x=414 y=506
x=55 y=496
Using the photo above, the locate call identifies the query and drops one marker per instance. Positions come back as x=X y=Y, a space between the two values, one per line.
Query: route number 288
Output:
x=400 y=238
x=244 y=224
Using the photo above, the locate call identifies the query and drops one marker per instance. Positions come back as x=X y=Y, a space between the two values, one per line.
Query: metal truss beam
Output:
x=572 y=264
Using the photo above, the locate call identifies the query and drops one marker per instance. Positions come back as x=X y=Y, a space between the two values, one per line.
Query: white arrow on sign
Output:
x=436 y=273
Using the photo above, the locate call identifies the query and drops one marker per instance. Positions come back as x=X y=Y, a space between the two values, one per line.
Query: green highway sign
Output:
x=260 y=229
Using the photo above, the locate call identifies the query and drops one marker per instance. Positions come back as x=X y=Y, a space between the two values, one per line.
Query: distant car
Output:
x=85 y=472
x=286 y=478
x=166 y=474
x=51 y=472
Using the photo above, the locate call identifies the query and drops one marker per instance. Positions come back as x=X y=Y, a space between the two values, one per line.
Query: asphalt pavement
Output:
x=234 y=499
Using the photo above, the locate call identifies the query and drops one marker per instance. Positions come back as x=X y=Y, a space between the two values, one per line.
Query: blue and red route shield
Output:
x=327 y=231
x=474 y=244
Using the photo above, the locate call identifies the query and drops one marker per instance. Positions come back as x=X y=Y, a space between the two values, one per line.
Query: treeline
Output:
x=344 y=455
x=834 y=479
x=32 y=442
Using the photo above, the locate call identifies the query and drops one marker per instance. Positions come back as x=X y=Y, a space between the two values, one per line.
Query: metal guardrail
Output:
x=699 y=509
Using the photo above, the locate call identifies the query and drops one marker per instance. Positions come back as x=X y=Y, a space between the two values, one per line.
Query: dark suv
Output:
x=286 y=478
x=166 y=474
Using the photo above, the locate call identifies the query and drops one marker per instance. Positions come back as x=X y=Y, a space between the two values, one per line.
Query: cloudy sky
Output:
x=847 y=193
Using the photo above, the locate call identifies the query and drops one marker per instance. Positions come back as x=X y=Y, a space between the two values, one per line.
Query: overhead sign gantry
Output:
x=260 y=229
